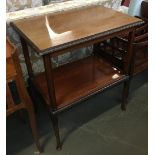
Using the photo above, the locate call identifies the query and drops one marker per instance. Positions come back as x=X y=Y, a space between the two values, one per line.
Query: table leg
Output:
x=129 y=56
x=125 y=94
x=27 y=57
x=127 y=69
x=52 y=97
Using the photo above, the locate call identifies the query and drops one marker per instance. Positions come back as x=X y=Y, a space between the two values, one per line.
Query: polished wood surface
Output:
x=49 y=31
x=54 y=34
x=9 y=50
x=79 y=79
x=14 y=73
x=10 y=68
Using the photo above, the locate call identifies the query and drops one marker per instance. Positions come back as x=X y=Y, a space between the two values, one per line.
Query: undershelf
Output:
x=76 y=81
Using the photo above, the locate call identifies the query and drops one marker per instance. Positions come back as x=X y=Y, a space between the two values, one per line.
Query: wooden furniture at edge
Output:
x=14 y=73
x=115 y=49
x=125 y=2
x=54 y=34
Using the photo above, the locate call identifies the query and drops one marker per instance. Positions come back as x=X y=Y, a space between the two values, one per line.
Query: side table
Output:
x=54 y=34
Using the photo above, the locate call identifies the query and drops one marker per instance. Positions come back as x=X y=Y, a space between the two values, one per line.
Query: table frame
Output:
x=77 y=44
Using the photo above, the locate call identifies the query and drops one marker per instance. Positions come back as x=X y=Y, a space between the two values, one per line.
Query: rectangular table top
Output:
x=52 y=32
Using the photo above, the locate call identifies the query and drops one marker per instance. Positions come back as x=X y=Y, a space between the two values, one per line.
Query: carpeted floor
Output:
x=94 y=127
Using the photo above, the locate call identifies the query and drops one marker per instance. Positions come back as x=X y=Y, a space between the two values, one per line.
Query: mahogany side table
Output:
x=53 y=34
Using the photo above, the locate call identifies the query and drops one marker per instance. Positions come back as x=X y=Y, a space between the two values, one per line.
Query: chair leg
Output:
x=21 y=116
x=33 y=126
x=125 y=95
x=54 y=119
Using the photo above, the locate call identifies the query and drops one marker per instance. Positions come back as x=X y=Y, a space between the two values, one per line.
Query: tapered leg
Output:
x=27 y=57
x=32 y=121
x=25 y=99
x=125 y=95
x=51 y=92
x=127 y=68
x=54 y=120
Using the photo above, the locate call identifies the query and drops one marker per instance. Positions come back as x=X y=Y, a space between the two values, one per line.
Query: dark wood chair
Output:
x=109 y=48
x=14 y=73
x=125 y=2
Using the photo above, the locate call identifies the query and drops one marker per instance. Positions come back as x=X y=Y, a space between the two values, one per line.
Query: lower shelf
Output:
x=78 y=80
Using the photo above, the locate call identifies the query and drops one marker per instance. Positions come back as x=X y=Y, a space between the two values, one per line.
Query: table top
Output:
x=54 y=32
